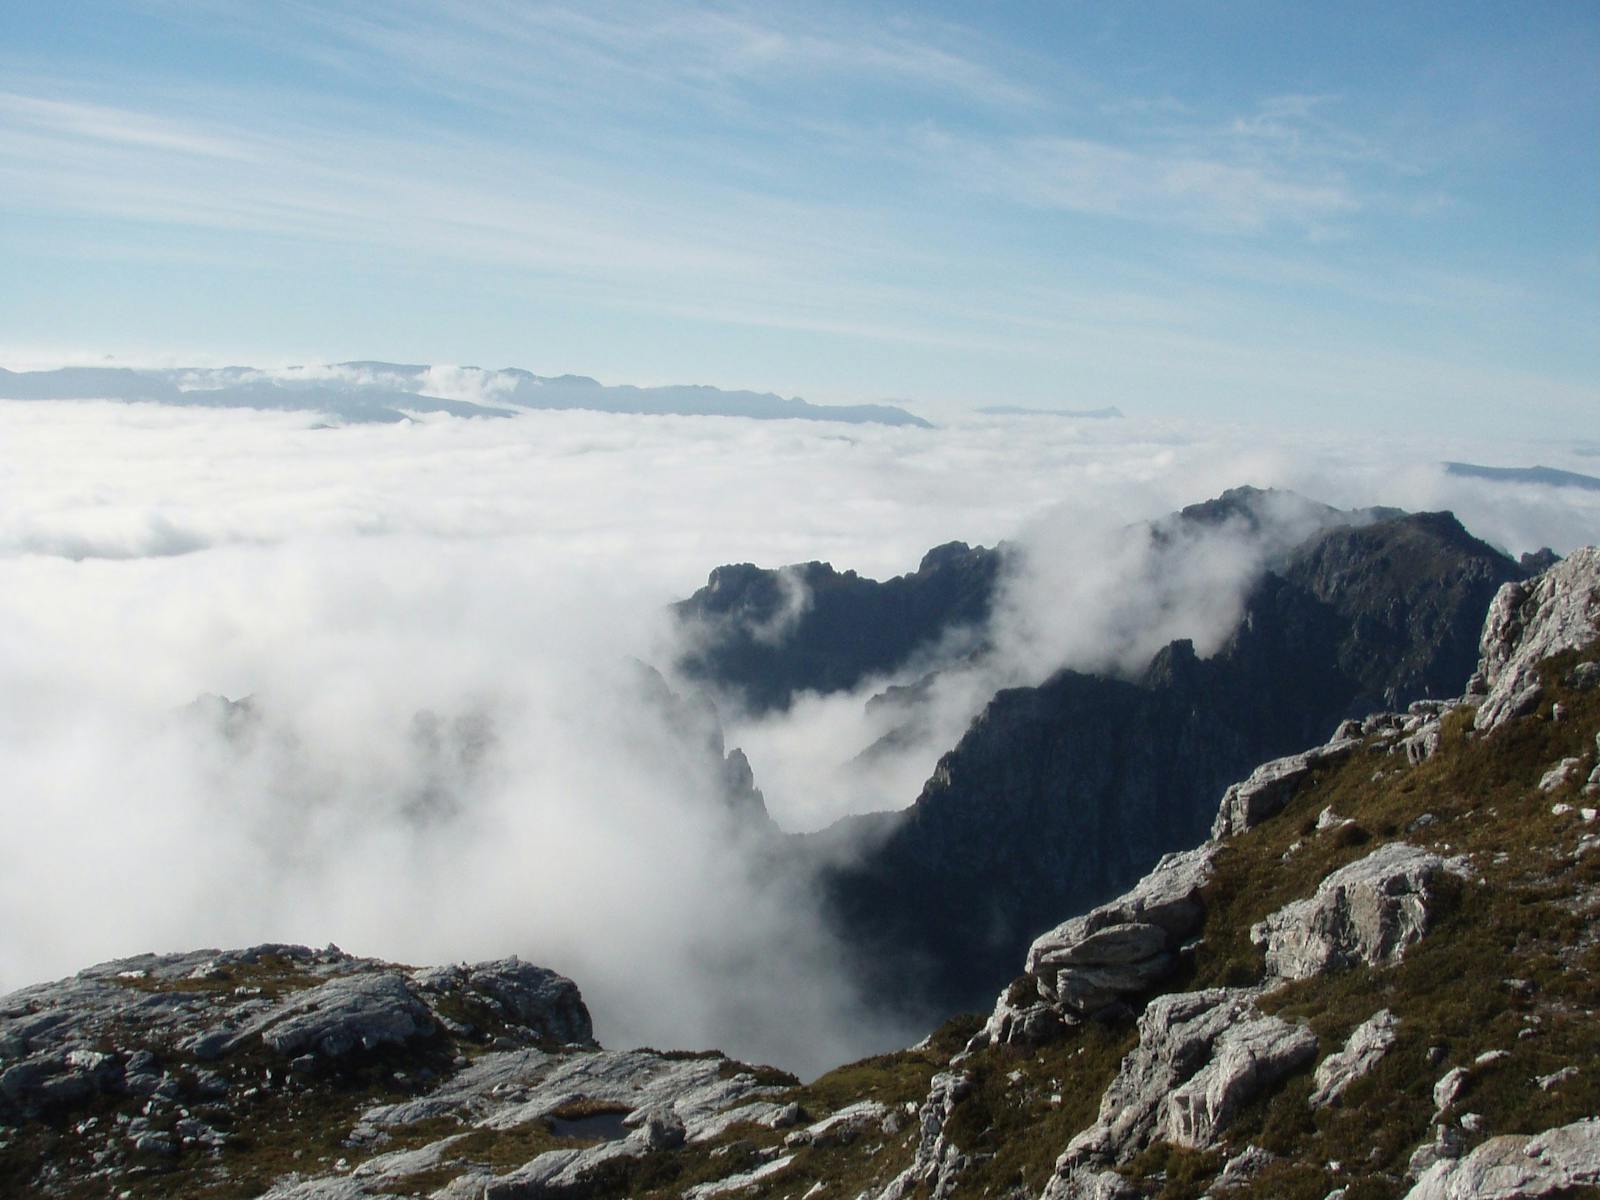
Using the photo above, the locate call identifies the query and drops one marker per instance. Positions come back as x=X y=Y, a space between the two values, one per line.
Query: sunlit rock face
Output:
x=1559 y=610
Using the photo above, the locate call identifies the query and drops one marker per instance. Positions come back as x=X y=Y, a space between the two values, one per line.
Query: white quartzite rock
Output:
x=938 y=1162
x=1558 y=775
x=1556 y=1162
x=735 y=1183
x=345 y=1014
x=1124 y=946
x=1448 y=1088
x=1368 y=911
x=1272 y=785
x=843 y=1127
x=1370 y=1041
x=1528 y=622
x=1088 y=1183
x=1201 y=1055
x=1248 y=1059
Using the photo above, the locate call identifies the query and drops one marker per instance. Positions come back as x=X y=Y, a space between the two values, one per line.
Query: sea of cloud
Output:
x=447 y=753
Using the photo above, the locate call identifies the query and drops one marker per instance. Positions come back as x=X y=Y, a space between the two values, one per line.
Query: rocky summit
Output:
x=1377 y=975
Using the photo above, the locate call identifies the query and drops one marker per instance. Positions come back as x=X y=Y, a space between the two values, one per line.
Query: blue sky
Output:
x=1371 y=214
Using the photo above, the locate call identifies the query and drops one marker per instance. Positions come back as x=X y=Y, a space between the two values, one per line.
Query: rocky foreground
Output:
x=1378 y=977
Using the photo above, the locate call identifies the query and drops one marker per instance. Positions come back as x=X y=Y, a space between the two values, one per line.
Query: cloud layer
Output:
x=449 y=754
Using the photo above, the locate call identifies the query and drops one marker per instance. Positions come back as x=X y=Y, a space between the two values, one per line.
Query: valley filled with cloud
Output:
x=444 y=748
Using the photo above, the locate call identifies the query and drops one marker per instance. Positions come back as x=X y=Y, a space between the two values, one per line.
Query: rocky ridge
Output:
x=1063 y=795
x=1204 y=1058
x=764 y=636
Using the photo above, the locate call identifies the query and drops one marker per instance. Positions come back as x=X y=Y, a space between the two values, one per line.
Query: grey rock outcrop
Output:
x=1200 y=1057
x=534 y=997
x=938 y=1163
x=1560 y=775
x=1121 y=948
x=840 y=1128
x=1527 y=623
x=1080 y=1182
x=1369 y=911
x=1449 y=1086
x=1367 y=1045
x=201 y=1043
x=350 y=1013
x=1273 y=784
x=1558 y=1162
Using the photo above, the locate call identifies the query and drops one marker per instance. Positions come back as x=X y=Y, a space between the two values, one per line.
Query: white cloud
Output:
x=353 y=578
x=1169 y=185
x=103 y=123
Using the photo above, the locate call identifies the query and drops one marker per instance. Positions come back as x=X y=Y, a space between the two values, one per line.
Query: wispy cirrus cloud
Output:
x=1174 y=185
x=47 y=119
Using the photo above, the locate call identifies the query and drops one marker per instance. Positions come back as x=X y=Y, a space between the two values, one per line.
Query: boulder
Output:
x=1244 y=1166
x=660 y=1128
x=546 y=1002
x=1201 y=1057
x=345 y=1014
x=1448 y=1088
x=1422 y=745
x=1271 y=785
x=1369 y=911
x=1088 y=1183
x=1560 y=775
x=1123 y=947
x=1370 y=1041
x=1558 y=1162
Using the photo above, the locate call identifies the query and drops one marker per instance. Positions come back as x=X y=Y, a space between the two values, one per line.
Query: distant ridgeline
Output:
x=1018 y=410
x=389 y=392
x=1548 y=476
x=1060 y=795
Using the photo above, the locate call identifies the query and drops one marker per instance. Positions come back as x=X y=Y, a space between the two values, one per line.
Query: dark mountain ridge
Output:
x=766 y=635
x=1061 y=794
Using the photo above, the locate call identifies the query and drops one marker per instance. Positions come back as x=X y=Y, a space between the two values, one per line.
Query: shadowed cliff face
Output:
x=1062 y=794
x=764 y=635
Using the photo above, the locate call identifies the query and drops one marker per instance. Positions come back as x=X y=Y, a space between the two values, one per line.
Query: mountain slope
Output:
x=1062 y=794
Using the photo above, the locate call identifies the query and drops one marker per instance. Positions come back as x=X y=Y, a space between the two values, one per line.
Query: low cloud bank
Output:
x=448 y=754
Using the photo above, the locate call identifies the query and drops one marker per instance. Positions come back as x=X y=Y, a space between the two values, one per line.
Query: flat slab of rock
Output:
x=1124 y=946
x=1273 y=784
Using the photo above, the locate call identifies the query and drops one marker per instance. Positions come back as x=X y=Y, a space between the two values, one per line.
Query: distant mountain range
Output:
x=368 y=392
x=1549 y=476
x=1018 y=410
